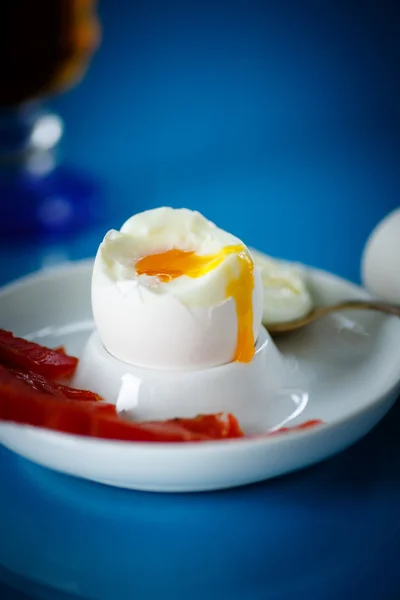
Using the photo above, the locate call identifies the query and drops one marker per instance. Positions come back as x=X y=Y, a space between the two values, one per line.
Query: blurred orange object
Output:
x=46 y=47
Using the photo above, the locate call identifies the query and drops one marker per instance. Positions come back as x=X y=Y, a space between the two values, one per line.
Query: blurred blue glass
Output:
x=41 y=198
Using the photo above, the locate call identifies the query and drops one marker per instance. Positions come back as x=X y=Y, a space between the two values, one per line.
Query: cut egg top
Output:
x=170 y=290
x=286 y=295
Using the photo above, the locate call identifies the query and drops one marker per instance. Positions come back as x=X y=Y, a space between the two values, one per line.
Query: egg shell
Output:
x=158 y=331
x=381 y=259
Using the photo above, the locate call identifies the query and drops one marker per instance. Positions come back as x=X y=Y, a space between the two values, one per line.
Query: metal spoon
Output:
x=322 y=311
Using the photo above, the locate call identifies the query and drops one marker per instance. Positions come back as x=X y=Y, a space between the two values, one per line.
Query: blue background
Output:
x=280 y=121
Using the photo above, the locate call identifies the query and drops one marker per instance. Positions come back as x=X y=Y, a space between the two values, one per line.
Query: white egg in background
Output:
x=381 y=259
x=186 y=322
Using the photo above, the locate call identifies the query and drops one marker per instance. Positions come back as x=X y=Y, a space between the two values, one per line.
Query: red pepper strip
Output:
x=21 y=354
x=154 y=431
x=19 y=403
x=60 y=349
x=305 y=425
x=215 y=426
x=41 y=384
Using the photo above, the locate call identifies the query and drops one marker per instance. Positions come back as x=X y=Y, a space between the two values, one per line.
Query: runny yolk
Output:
x=172 y=264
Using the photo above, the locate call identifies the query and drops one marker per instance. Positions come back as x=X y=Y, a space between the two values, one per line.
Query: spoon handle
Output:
x=385 y=307
x=322 y=311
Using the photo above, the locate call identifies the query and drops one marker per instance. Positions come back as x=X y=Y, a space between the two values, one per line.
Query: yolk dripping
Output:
x=174 y=263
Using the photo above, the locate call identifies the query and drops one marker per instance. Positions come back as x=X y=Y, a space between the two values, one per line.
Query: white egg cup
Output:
x=244 y=389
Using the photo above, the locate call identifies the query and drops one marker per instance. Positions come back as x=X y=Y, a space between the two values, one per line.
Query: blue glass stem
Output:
x=40 y=197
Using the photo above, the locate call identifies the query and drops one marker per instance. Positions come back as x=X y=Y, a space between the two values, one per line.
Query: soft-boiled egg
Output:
x=380 y=264
x=171 y=290
x=286 y=296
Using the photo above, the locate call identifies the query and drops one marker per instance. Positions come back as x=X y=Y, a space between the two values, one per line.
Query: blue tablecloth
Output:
x=281 y=124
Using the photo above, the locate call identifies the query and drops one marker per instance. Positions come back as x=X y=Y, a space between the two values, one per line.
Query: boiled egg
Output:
x=286 y=296
x=380 y=266
x=171 y=290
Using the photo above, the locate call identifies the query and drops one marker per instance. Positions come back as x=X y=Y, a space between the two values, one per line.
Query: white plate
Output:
x=349 y=363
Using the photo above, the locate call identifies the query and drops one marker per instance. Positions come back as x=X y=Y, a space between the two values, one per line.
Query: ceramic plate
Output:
x=348 y=363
